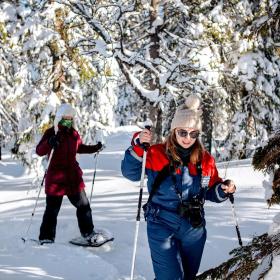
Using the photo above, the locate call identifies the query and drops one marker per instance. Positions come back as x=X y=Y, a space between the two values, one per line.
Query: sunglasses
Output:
x=184 y=133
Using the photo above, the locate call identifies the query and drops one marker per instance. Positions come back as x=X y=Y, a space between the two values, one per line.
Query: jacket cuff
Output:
x=221 y=195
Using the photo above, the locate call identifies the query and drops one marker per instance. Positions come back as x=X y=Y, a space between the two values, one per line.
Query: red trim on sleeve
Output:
x=136 y=148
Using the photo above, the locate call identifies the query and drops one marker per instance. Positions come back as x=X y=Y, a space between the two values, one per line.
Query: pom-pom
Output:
x=192 y=102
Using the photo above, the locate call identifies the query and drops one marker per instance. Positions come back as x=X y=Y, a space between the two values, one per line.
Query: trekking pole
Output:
x=146 y=145
x=94 y=173
x=139 y=207
x=231 y=199
x=138 y=213
x=36 y=202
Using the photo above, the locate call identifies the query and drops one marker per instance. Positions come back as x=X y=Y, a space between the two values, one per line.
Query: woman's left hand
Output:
x=228 y=186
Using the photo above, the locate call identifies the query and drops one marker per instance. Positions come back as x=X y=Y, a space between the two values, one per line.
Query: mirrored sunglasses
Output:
x=184 y=133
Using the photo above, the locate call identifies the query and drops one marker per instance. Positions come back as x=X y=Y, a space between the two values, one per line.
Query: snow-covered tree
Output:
x=267 y=159
x=120 y=61
x=42 y=68
x=152 y=47
x=254 y=60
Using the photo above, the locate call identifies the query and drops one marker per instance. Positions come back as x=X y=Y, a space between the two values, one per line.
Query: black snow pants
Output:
x=53 y=204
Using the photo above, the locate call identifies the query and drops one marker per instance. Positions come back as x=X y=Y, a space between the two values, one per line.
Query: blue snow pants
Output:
x=176 y=247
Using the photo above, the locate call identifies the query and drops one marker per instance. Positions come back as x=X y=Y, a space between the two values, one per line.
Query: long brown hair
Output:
x=171 y=142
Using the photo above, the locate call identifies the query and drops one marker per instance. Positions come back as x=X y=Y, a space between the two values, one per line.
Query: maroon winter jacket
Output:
x=64 y=175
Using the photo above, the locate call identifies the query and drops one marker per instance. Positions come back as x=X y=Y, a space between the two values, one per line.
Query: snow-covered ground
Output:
x=114 y=205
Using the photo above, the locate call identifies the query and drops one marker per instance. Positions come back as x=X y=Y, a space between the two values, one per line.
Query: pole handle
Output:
x=231 y=198
x=147 y=145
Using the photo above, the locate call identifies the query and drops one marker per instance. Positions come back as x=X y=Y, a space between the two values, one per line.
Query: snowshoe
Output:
x=96 y=239
x=38 y=241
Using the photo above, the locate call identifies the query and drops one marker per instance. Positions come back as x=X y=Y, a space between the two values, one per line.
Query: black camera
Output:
x=193 y=211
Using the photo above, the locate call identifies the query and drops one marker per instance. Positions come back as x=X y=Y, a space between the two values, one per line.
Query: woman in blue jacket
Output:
x=182 y=174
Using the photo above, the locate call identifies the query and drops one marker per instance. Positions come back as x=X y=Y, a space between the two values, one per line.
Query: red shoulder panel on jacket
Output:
x=156 y=157
x=207 y=163
x=208 y=168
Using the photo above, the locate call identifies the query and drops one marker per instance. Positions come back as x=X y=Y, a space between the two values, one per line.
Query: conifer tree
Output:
x=119 y=62
x=267 y=159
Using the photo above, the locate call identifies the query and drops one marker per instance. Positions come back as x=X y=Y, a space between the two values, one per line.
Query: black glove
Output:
x=54 y=141
x=99 y=146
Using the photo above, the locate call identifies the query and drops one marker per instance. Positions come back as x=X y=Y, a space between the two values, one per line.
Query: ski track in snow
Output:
x=114 y=206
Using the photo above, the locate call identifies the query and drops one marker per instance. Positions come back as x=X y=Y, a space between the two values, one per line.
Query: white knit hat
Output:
x=189 y=114
x=64 y=110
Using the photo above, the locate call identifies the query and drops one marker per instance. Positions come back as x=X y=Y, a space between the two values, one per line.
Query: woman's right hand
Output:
x=145 y=136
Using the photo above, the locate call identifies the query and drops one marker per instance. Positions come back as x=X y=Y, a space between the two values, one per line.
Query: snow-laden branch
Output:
x=151 y=95
x=7 y=116
x=82 y=10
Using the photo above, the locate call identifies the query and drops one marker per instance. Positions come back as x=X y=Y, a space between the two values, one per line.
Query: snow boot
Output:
x=45 y=241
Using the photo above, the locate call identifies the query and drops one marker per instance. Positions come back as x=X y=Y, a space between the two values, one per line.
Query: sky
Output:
x=114 y=207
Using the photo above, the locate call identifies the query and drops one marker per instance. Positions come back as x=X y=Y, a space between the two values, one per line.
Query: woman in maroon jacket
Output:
x=64 y=175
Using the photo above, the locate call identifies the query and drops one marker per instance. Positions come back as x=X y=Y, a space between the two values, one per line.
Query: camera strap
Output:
x=168 y=170
x=162 y=174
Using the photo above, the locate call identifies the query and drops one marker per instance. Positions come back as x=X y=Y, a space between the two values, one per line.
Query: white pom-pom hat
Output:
x=64 y=110
x=189 y=114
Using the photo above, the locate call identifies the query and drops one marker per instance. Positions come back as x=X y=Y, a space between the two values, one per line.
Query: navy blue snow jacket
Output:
x=167 y=197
